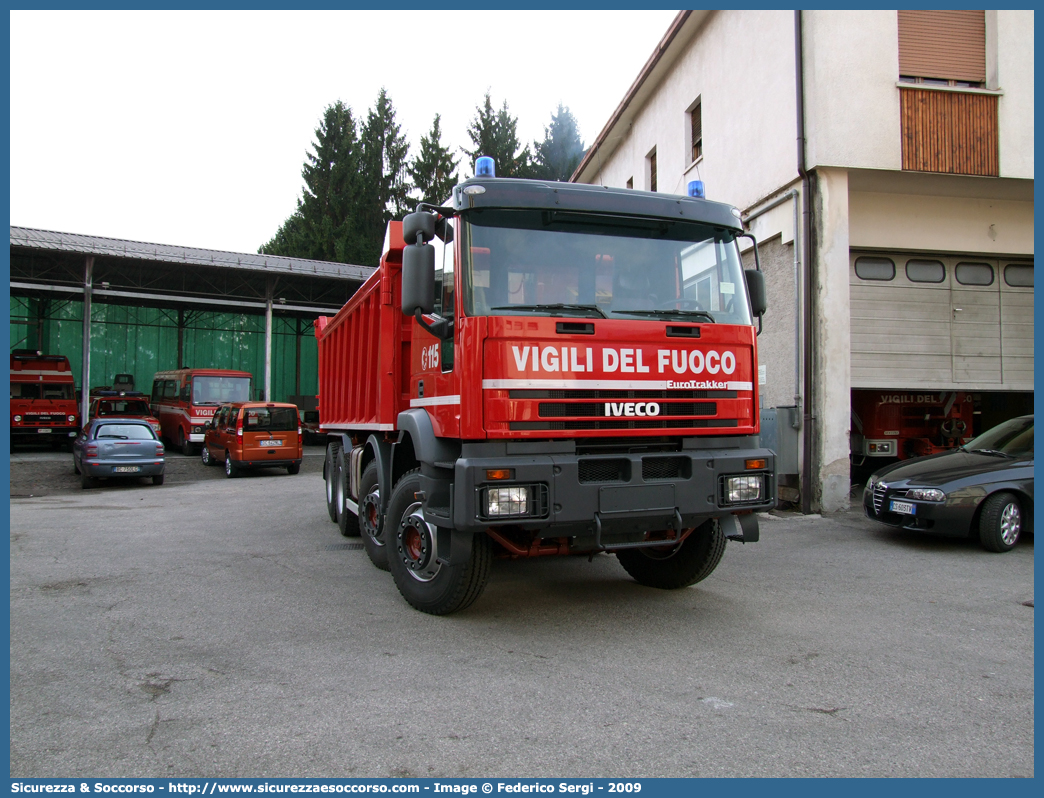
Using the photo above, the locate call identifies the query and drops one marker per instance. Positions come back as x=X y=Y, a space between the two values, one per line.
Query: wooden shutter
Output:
x=696 y=118
x=949 y=45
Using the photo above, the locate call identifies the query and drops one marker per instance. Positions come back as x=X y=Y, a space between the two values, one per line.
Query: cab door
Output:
x=434 y=382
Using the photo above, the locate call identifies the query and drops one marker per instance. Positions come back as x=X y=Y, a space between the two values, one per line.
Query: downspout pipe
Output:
x=808 y=311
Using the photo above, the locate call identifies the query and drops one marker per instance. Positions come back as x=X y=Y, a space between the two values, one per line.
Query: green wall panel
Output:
x=142 y=341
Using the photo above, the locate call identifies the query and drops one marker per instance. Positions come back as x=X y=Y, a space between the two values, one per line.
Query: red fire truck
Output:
x=43 y=398
x=547 y=369
x=904 y=424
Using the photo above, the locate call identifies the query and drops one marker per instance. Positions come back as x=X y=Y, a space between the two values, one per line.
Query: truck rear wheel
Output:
x=370 y=521
x=330 y=475
x=425 y=583
x=347 y=521
x=670 y=569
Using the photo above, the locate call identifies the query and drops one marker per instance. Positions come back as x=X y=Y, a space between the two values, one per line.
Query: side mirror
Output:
x=418 y=277
x=756 y=291
x=420 y=222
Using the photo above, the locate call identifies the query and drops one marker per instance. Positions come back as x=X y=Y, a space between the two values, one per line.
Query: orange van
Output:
x=253 y=435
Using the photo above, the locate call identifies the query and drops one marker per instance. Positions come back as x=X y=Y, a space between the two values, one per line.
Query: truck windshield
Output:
x=572 y=264
x=217 y=390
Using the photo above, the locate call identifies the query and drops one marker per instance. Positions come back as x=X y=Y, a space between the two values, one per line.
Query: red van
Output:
x=184 y=401
x=254 y=435
x=43 y=398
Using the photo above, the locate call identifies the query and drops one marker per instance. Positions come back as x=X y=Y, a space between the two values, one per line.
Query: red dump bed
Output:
x=364 y=351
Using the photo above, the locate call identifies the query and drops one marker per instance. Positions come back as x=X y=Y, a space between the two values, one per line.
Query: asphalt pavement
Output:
x=221 y=628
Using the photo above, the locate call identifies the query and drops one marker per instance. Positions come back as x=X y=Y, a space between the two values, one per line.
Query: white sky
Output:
x=191 y=128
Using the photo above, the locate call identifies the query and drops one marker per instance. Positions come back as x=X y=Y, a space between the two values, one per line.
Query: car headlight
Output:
x=926 y=494
x=747 y=488
x=72 y=417
x=17 y=418
x=874 y=479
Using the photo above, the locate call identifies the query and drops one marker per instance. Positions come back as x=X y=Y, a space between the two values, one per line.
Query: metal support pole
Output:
x=297 y=358
x=181 y=338
x=85 y=391
x=268 y=344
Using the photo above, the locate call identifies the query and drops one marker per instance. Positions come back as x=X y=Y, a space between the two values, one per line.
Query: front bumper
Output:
x=618 y=495
x=43 y=433
x=951 y=517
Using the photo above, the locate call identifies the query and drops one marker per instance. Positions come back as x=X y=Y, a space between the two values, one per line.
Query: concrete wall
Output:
x=1015 y=78
x=749 y=123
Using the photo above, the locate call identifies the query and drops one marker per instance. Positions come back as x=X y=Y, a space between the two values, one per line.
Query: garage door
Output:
x=925 y=321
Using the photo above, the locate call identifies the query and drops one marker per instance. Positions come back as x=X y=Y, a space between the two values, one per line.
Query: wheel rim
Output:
x=228 y=464
x=205 y=454
x=329 y=482
x=339 y=493
x=1010 y=523
x=370 y=515
x=416 y=544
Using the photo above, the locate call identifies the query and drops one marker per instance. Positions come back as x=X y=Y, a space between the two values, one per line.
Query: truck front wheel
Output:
x=670 y=569
x=427 y=584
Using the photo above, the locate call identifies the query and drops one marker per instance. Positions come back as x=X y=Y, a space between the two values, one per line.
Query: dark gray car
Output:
x=118 y=448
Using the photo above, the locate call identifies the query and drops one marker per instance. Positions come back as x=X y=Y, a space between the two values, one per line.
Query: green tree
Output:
x=558 y=155
x=493 y=133
x=434 y=170
x=325 y=225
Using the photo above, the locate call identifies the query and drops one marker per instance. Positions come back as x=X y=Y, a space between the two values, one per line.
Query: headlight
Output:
x=743 y=489
x=874 y=479
x=72 y=417
x=926 y=494
x=507 y=501
x=17 y=418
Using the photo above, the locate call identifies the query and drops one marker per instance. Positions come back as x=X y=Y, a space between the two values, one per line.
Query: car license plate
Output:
x=906 y=508
x=44 y=431
x=271 y=443
x=126 y=469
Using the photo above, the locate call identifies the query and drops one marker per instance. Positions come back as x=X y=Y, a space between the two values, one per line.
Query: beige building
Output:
x=884 y=160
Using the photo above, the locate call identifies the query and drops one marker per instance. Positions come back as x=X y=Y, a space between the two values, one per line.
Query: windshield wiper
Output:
x=670 y=312
x=994 y=452
x=556 y=306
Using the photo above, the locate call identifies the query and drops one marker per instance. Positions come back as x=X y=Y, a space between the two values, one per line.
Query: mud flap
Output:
x=452 y=546
x=743 y=528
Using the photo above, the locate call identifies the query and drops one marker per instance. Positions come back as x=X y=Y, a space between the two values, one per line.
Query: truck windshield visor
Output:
x=557 y=263
x=217 y=390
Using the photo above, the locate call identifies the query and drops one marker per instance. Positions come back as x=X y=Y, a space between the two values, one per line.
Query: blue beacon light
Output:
x=696 y=189
x=485 y=167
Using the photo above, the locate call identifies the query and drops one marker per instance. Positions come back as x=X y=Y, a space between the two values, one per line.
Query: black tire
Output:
x=231 y=469
x=671 y=569
x=1000 y=523
x=293 y=468
x=86 y=482
x=425 y=584
x=330 y=477
x=204 y=455
x=184 y=443
x=158 y=479
x=347 y=521
x=371 y=525
x=76 y=468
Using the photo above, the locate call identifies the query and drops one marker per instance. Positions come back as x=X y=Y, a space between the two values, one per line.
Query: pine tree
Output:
x=383 y=192
x=325 y=224
x=558 y=155
x=494 y=134
x=434 y=170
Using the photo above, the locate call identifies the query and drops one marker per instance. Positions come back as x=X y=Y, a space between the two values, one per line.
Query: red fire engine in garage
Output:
x=547 y=369
x=43 y=398
x=906 y=424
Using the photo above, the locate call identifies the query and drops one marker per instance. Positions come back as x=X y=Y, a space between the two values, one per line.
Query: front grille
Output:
x=607 y=394
x=879 y=494
x=644 y=423
x=603 y=470
x=664 y=467
x=558 y=409
x=43 y=420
